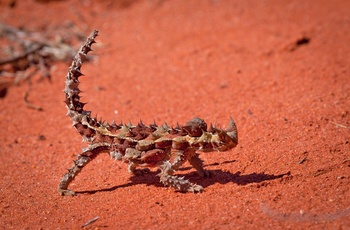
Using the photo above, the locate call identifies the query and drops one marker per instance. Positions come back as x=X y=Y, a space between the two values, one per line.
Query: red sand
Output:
x=279 y=68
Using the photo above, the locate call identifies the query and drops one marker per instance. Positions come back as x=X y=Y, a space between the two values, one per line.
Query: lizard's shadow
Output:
x=216 y=176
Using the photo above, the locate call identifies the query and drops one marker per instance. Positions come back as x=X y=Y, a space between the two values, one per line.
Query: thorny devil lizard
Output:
x=139 y=145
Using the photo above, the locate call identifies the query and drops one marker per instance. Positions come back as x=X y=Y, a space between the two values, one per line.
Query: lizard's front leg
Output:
x=192 y=157
x=197 y=163
x=134 y=171
x=132 y=155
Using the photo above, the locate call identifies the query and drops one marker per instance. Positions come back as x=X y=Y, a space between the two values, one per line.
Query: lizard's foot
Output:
x=66 y=192
x=196 y=188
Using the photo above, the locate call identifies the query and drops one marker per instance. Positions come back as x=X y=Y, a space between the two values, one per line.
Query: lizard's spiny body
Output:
x=139 y=145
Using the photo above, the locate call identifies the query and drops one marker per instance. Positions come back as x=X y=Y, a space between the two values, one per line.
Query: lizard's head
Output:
x=223 y=140
x=213 y=138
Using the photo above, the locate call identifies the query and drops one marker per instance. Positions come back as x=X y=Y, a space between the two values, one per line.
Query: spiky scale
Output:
x=76 y=72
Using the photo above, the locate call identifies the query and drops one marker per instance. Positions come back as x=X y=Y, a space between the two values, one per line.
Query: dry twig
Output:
x=90 y=221
x=24 y=54
x=30 y=105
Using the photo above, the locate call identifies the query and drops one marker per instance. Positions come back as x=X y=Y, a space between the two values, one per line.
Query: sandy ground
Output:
x=279 y=68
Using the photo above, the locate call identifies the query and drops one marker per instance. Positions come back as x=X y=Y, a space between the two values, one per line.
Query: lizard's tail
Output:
x=76 y=108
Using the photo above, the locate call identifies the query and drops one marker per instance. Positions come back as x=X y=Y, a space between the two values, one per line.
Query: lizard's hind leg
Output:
x=87 y=155
x=71 y=174
x=179 y=183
